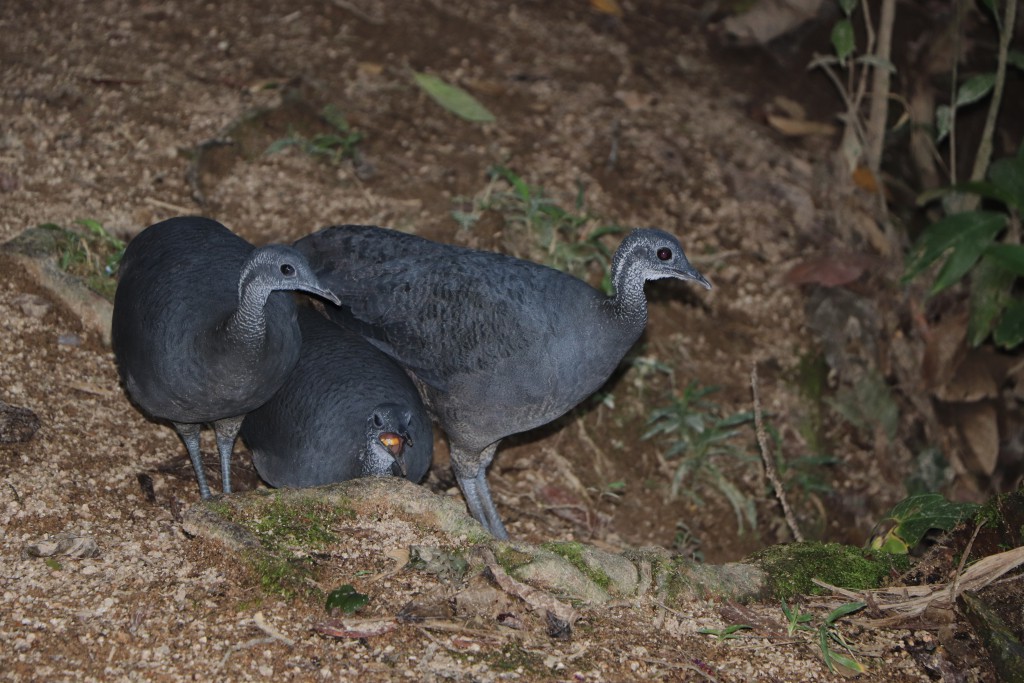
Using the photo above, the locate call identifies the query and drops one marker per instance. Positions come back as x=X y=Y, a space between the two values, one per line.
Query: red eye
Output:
x=664 y=253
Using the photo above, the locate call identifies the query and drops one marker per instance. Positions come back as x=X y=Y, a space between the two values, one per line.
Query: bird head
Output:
x=658 y=254
x=279 y=267
x=387 y=436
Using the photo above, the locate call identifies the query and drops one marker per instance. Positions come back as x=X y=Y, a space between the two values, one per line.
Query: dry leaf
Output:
x=865 y=179
x=355 y=628
x=790 y=108
x=830 y=271
x=946 y=346
x=611 y=7
x=800 y=127
x=978 y=426
x=974 y=379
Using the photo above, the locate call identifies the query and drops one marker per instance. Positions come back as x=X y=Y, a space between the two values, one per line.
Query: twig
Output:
x=879 y=111
x=769 y=463
x=686 y=667
x=243 y=646
x=984 y=155
x=167 y=205
x=955 y=585
x=260 y=622
x=351 y=8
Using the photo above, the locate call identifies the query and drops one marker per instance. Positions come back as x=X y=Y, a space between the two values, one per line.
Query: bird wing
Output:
x=446 y=320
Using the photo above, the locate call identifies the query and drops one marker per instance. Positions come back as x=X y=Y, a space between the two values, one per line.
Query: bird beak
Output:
x=395 y=444
x=691 y=273
x=330 y=296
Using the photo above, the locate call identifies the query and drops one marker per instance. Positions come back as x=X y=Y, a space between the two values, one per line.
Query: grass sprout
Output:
x=700 y=438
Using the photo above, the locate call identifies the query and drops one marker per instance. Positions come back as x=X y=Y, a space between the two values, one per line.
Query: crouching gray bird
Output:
x=346 y=411
x=204 y=328
x=497 y=345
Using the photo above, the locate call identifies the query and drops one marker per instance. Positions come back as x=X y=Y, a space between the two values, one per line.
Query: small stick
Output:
x=769 y=464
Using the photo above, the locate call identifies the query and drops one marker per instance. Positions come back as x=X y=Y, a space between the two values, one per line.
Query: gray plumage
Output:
x=498 y=345
x=203 y=329
x=345 y=411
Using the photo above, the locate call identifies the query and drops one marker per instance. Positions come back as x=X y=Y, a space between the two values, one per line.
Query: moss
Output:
x=279 y=523
x=790 y=568
x=511 y=559
x=281 y=576
x=573 y=552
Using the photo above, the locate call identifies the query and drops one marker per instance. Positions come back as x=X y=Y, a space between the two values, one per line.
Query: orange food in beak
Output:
x=393 y=442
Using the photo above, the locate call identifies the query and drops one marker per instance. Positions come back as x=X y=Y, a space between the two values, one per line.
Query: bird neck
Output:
x=628 y=303
x=247 y=326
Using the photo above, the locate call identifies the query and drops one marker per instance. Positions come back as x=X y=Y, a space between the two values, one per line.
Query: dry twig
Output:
x=769 y=463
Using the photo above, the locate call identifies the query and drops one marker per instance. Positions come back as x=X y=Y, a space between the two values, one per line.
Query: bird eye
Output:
x=664 y=253
x=287 y=269
x=377 y=421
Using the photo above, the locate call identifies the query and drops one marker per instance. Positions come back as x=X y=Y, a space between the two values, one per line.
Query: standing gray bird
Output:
x=498 y=345
x=346 y=411
x=204 y=328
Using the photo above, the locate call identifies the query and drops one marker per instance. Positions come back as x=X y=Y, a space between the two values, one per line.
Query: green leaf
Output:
x=843 y=610
x=961 y=260
x=908 y=522
x=943 y=120
x=971 y=227
x=1015 y=58
x=842 y=39
x=332 y=115
x=1010 y=256
x=347 y=599
x=991 y=284
x=1010 y=332
x=975 y=88
x=454 y=99
x=1007 y=175
x=848 y=6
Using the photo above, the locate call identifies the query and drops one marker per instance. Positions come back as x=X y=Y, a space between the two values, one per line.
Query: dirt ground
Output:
x=129 y=113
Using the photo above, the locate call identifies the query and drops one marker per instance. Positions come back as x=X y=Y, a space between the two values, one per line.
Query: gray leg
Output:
x=227 y=432
x=472 y=477
x=189 y=433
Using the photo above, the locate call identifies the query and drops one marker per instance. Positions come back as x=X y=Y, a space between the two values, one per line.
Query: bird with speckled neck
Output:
x=204 y=328
x=497 y=345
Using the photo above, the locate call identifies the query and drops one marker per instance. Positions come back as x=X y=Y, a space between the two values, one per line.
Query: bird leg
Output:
x=189 y=433
x=226 y=431
x=472 y=478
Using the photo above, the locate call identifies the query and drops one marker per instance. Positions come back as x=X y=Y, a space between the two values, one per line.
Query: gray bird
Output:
x=204 y=328
x=346 y=411
x=498 y=345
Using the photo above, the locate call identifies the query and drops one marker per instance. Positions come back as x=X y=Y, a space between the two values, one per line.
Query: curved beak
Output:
x=691 y=273
x=395 y=443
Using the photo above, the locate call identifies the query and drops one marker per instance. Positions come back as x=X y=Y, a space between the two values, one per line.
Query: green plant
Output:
x=906 y=524
x=795 y=619
x=986 y=245
x=346 y=599
x=829 y=636
x=93 y=255
x=699 y=436
x=333 y=147
x=569 y=240
x=727 y=633
x=863 y=134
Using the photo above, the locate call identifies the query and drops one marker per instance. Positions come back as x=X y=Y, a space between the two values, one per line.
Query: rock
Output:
x=34 y=252
x=17 y=425
x=69 y=544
